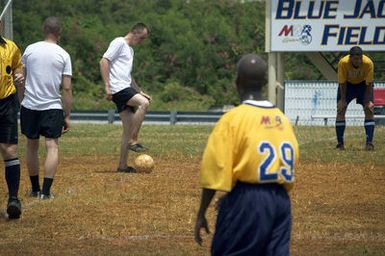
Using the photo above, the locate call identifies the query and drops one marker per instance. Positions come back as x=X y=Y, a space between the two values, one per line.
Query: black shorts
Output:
x=48 y=123
x=120 y=99
x=8 y=119
x=354 y=91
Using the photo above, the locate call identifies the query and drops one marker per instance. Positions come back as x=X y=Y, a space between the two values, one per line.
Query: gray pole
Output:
x=272 y=61
x=6 y=16
x=280 y=92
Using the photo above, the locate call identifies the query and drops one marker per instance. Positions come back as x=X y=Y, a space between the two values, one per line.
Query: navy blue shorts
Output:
x=8 y=119
x=48 y=123
x=120 y=99
x=253 y=220
x=354 y=91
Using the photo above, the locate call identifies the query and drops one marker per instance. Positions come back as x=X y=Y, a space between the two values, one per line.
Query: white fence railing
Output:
x=309 y=102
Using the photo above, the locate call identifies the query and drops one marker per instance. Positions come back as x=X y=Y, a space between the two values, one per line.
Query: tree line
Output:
x=186 y=64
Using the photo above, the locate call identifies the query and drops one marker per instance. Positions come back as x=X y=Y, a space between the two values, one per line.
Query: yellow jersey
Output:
x=252 y=143
x=348 y=73
x=10 y=60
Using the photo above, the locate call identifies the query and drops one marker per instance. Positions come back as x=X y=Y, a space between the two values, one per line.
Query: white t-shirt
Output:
x=45 y=64
x=121 y=56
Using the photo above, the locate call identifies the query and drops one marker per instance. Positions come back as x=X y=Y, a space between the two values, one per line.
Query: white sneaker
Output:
x=46 y=197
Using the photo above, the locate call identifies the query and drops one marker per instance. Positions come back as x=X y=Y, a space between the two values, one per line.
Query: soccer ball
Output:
x=144 y=163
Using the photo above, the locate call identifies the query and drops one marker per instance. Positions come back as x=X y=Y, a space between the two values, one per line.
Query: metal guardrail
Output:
x=172 y=117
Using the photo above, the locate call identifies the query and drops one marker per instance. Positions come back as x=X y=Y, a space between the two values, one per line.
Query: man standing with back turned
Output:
x=355 y=79
x=47 y=66
x=11 y=73
x=131 y=102
x=251 y=154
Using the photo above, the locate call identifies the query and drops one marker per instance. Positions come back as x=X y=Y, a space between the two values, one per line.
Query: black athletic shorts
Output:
x=8 y=119
x=48 y=123
x=354 y=91
x=120 y=99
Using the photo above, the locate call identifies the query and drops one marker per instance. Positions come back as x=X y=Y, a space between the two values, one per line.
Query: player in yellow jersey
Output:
x=11 y=73
x=355 y=79
x=251 y=154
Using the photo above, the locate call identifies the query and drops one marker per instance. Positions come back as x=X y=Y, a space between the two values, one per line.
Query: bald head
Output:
x=251 y=73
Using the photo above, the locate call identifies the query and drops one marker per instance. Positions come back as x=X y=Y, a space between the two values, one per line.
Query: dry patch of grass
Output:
x=339 y=209
x=97 y=211
x=338 y=201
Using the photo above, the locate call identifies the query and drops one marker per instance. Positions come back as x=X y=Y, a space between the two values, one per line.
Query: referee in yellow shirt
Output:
x=251 y=154
x=355 y=79
x=11 y=73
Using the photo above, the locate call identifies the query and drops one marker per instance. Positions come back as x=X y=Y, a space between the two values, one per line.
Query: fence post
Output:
x=111 y=116
x=325 y=121
x=173 y=117
x=296 y=121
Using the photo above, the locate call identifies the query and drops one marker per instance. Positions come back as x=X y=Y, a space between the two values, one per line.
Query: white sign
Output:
x=327 y=25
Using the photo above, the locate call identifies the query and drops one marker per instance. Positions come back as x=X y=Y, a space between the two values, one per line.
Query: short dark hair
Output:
x=251 y=72
x=52 y=25
x=355 y=51
x=139 y=27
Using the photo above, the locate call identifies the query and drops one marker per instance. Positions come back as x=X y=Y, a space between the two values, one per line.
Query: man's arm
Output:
x=138 y=89
x=201 y=222
x=67 y=101
x=342 y=79
x=368 y=93
x=343 y=91
x=135 y=85
x=341 y=104
x=18 y=80
x=105 y=72
x=368 y=98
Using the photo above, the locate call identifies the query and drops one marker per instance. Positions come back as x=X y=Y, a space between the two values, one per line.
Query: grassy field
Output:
x=338 y=201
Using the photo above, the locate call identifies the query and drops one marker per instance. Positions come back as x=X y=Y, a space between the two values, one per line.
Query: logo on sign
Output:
x=296 y=33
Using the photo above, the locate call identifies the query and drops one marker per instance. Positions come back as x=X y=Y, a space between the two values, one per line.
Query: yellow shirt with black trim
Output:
x=10 y=61
x=348 y=73
x=250 y=143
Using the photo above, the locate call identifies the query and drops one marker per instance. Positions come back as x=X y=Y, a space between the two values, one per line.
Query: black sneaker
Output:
x=340 y=146
x=14 y=208
x=35 y=194
x=369 y=146
x=138 y=148
x=128 y=169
